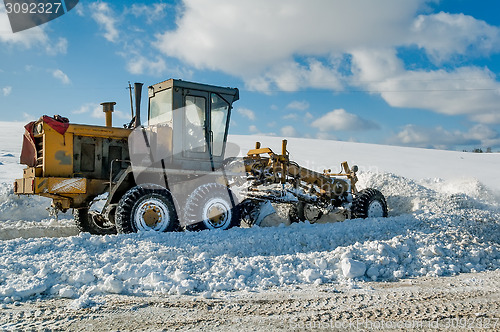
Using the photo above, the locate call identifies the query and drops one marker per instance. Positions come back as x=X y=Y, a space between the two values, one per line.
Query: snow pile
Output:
x=28 y=217
x=14 y=207
x=11 y=136
x=434 y=228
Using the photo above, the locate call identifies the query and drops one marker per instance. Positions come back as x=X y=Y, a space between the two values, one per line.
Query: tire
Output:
x=299 y=213
x=369 y=203
x=212 y=206
x=236 y=166
x=146 y=207
x=296 y=213
x=92 y=222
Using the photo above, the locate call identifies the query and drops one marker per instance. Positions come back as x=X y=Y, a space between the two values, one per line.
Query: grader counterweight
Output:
x=174 y=172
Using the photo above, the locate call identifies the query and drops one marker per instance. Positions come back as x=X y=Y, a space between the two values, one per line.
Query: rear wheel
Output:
x=146 y=208
x=369 y=203
x=93 y=222
x=212 y=206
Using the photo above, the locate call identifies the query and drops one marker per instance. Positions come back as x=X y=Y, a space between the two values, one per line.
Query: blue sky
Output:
x=412 y=73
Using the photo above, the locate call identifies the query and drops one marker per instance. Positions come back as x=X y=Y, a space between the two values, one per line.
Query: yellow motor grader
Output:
x=177 y=171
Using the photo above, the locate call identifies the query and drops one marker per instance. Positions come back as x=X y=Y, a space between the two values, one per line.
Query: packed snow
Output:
x=444 y=219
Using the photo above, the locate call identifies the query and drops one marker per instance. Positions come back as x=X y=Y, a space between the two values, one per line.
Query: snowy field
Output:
x=444 y=219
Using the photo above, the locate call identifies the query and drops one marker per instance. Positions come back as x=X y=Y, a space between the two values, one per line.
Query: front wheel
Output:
x=301 y=212
x=369 y=203
x=92 y=222
x=146 y=208
x=212 y=206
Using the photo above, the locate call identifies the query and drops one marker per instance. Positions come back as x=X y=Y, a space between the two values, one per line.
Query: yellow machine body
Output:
x=72 y=167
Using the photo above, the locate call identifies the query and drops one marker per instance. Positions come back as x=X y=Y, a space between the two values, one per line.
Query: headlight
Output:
x=38 y=128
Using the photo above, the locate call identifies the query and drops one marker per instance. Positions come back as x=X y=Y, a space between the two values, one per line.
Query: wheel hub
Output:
x=375 y=210
x=216 y=213
x=312 y=213
x=151 y=216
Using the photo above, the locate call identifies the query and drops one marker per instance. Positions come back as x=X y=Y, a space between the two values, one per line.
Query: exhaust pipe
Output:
x=108 y=108
x=138 y=91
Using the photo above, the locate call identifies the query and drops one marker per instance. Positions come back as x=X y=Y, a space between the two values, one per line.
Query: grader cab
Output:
x=173 y=173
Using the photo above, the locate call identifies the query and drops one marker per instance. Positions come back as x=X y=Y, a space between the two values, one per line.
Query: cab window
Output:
x=218 y=121
x=194 y=121
x=160 y=108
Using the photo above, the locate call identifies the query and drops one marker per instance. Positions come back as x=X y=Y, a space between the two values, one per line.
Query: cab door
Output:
x=205 y=125
x=196 y=134
x=219 y=123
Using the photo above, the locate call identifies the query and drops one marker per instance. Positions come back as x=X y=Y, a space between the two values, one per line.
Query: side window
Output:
x=160 y=108
x=194 y=124
x=218 y=119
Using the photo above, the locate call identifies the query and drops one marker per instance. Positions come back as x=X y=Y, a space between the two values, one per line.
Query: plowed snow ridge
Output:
x=435 y=228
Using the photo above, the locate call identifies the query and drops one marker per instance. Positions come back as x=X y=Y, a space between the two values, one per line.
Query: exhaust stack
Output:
x=108 y=108
x=138 y=91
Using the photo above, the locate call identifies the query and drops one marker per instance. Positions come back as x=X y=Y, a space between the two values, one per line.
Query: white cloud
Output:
x=107 y=20
x=336 y=47
x=440 y=138
x=6 y=90
x=95 y=111
x=445 y=35
x=60 y=75
x=28 y=117
x=339 y=119
x=290 y=116
x=298 y=105
x=468 y=91
x=256 y=131
x=61 y=47
x=205 y=29
x=247 y=113
x=86 y=108
x=99 y=114
x=265 y=33
x=295 y=116
x=253 y=129
x=289 y=131
x=26 y=38
x=80 y=10
x=292 y=76
x=30 y=38
x=140 y=65
x=152 y=13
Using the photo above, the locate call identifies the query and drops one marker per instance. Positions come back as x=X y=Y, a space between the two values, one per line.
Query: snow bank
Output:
x=11 y=138
x=441 y=222
x=14 y=207
x=435 y=228
x=28 y=217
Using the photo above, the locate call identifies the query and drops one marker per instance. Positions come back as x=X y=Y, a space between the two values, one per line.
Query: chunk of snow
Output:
x=112 y=285
x=352 y=268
